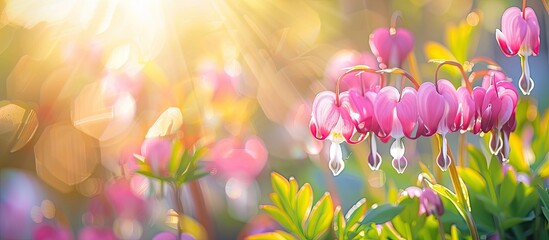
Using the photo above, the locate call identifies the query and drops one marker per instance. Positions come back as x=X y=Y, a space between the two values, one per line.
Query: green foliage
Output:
x=293 y=209
x=183 y=165
x=498 y=201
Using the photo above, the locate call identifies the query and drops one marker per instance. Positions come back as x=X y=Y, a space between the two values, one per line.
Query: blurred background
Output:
x=81 y=83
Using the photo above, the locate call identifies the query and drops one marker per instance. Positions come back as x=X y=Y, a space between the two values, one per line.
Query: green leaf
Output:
x=510 y=222
x=478 y=161
x=545 y=213
x=151 y=175
x=321 y=217
x=281 y=186
x=454 y=232
x=382 y=214
x=507 y=190
x=339 y=224
x=495 y=171
x=467 y=203
x=543 y=195
x=278 y=215
x=356 y=214
x=304 y=202
x=278 y=235
x=293 y=191
x=276 y=200
x=489 y=205
x=473 y=179
x=434 y=50
x=446 y=193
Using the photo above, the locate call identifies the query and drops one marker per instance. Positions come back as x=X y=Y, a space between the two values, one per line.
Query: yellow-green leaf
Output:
x=304 y=202
x=293 y=191
x=434 y=50
x=320 y=217
x=507 y=190
x=281 y=186
x=339 y=224
x=278 y=215
x=356 y=214
x=278 y=235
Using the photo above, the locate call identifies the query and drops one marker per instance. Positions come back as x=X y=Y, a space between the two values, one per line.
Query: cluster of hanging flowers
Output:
x=384 y=112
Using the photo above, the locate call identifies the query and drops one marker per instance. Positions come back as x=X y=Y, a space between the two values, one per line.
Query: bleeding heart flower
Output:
x=346 y=58
x=235 y=158
x=391 y=46
x=330 y=118
x=430 y=203
x=466 y=109
x=438 y=109
x=397 y=115
x=519 y=32
x=362 y=111
x=157 y=153
x=520 y=35
x=430 y=108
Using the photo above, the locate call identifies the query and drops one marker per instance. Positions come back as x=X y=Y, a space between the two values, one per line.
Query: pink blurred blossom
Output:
x=238 y=158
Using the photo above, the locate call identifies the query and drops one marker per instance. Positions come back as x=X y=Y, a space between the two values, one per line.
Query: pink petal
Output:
x=324 y=113
x=532 y=35
x=514 y=28
x=362 y=111
x=407 y=110
x=405 y=43
x=502 y=42
x=449 y=95
x=384 y=106
x=430 y=106
x=467 y=108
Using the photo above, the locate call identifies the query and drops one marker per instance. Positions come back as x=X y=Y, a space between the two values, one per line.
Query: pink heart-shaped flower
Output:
x=391 y=48
x=430 y=108
x=233 y=157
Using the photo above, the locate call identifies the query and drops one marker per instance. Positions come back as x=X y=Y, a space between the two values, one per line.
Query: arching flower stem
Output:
x=483 y=59
x=403 y=73
x=460 y=67
x=394 y=18
x=523 y=9
x=356 y=69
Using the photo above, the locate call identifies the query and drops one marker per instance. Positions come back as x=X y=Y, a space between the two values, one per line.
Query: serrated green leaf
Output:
x=281 y=186
x=356 y=214
x=382 y=214
x=507 y=190
x=320 y=217
x=339 y=224
x=282 y=218
x=304 y=202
